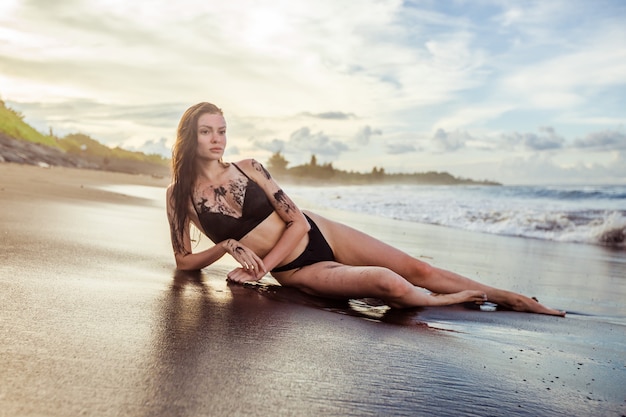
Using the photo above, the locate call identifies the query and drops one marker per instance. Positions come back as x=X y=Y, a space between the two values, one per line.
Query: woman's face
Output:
x=211 y=136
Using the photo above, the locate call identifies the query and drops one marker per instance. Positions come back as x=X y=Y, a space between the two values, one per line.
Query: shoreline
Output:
x=571 y=215
x=96 y=321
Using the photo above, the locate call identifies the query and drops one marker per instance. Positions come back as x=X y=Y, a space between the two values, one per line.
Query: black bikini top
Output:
x=256 y=208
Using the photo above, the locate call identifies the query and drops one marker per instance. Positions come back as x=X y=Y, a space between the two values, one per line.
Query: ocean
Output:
x=589 y=214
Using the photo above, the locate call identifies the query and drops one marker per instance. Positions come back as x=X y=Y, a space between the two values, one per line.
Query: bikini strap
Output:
x=240 y=170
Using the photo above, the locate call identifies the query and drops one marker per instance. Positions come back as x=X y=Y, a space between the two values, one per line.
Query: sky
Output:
x=520 y=92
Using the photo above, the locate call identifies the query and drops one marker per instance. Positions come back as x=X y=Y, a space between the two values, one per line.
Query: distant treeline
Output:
x=313 y=172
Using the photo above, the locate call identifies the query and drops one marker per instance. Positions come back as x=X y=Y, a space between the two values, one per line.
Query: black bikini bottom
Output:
x=317 y=250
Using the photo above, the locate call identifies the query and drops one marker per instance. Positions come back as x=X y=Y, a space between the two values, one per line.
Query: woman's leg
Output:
x=331 y=279
x=352 y=247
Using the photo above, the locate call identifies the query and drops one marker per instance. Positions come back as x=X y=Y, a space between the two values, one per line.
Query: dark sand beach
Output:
x=95 y=321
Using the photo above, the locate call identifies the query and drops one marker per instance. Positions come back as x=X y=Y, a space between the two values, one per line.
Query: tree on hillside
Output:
x=313 y=170
x=277 y=164
x=378 y=172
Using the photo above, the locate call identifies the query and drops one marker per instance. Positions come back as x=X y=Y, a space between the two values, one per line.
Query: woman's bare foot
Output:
x=517 y=302
x=535 y=307
x=507 y=300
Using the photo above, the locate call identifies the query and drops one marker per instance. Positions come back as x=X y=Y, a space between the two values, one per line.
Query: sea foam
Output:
x=586 y=214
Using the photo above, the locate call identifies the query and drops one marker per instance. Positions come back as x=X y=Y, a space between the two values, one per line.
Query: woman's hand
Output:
x=240 y=275
x=252 y=267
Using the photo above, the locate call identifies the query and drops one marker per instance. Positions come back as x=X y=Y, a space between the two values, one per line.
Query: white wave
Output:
x=543 y=213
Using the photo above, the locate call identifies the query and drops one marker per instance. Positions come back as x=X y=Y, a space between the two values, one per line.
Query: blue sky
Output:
x=512 y=91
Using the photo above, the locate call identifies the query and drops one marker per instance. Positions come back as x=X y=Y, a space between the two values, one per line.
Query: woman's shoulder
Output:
x=247 y=163
x=253 y=168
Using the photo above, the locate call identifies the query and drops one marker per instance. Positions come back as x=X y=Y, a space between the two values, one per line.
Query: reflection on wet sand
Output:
x=195 y=322
x=199 y=315
x=224 y=349
x=367 y=308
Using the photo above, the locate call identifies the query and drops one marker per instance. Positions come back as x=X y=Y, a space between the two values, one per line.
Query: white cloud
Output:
x=450 y=141
x=547 y=139
x=159 y=147
x=576 y=119
x=572 y=76
x=317 y=143
x=543 y=169
x=273 y=146
x=560 y=83
x=473 y=115
x=400 y=148
x=606 y=139
x=364 y=135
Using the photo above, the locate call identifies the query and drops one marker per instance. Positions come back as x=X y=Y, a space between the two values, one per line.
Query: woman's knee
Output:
x=390 y=285
x=419 y=270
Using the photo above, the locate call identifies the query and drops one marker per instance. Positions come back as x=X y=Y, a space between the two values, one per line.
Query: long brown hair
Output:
x=184 y=168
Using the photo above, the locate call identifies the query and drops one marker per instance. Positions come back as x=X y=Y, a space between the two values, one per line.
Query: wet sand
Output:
x=95 y=321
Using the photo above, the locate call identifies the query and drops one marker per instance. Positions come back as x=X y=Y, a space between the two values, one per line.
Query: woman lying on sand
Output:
x=247 y=215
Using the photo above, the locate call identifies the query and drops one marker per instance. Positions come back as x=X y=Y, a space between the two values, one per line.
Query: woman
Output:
x=246 y=214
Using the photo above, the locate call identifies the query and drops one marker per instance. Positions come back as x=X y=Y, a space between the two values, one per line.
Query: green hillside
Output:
x=83 y=145
x=86 y=148
x=12 y=123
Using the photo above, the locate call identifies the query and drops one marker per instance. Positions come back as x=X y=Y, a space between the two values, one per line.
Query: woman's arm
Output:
x=296 y=224
x=187 y=260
